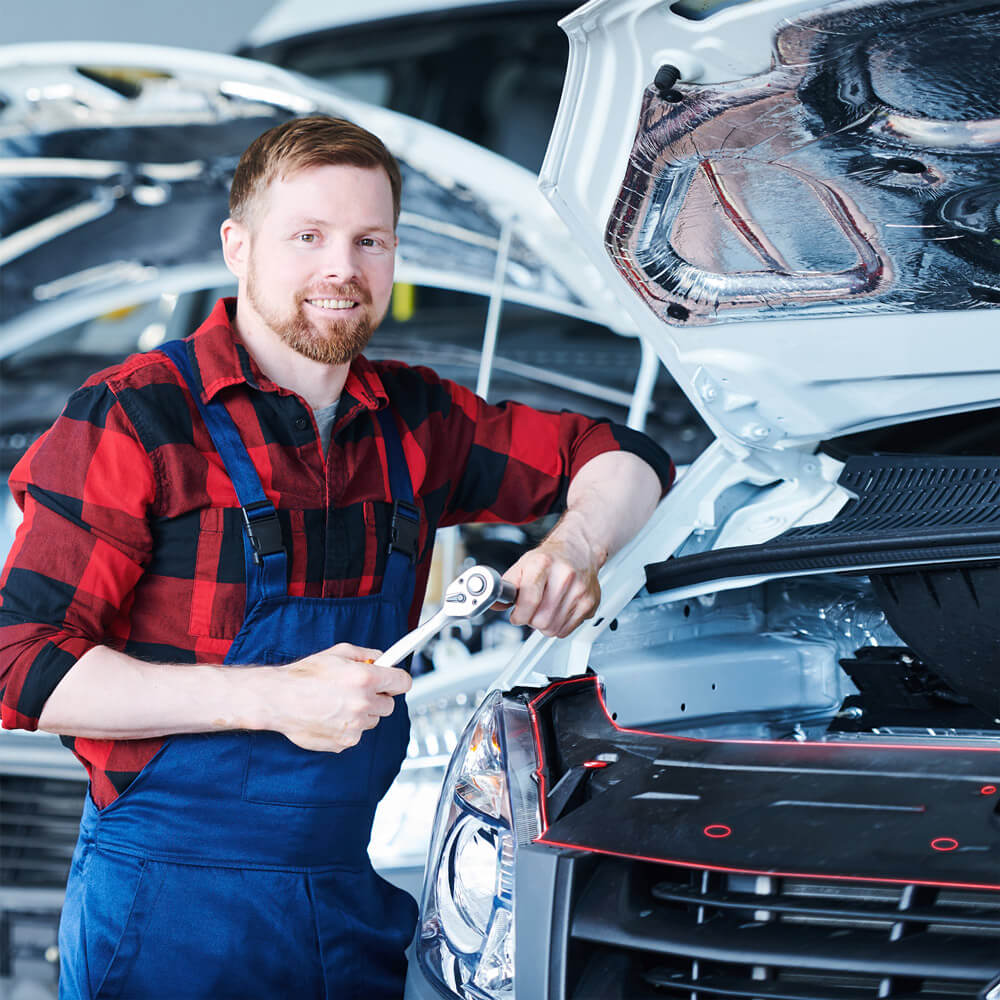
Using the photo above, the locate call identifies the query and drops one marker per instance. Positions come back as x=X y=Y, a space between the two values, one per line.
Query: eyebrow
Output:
x=372 y=227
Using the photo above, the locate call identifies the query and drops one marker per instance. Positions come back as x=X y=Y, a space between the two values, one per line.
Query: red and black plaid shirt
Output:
x=132 y=532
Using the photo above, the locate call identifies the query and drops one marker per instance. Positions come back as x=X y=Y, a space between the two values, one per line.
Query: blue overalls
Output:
x=235 y=865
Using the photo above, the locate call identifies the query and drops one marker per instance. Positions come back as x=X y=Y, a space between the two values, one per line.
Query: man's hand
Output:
x=328 y=700
x=556 y=582
x=609 y=499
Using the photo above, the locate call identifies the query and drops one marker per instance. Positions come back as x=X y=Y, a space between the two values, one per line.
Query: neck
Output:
x=317 y=383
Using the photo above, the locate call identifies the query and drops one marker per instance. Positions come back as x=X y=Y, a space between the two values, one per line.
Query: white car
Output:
x=770 y=766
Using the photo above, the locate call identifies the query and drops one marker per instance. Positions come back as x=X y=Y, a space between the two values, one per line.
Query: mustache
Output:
x=351 y=290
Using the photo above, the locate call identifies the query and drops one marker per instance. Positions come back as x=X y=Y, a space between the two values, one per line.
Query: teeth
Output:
x=333 y=303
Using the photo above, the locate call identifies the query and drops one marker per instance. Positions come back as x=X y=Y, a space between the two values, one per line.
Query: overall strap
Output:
x=264 y=555
x=404 y=532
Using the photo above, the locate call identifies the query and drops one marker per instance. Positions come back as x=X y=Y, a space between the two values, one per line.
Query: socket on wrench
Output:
x=468 y=596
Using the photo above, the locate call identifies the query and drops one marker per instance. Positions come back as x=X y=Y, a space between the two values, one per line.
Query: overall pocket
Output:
x=281 y=773
x=205 y=933
x=117 y=900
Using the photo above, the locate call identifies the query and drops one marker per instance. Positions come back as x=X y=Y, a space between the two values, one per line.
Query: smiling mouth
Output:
x=332 y=304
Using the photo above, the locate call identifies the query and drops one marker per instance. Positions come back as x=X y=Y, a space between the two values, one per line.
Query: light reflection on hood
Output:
x=857 y=175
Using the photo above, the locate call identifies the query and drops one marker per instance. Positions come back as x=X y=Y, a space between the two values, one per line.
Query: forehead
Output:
x=337 y=192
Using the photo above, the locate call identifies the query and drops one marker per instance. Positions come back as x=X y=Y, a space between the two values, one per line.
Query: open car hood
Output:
x=115 y=164
x=807 y=225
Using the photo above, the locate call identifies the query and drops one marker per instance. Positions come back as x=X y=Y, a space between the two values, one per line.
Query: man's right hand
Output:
x=326 y=701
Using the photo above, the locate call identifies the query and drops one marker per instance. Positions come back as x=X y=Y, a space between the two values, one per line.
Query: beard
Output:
x=335 y=340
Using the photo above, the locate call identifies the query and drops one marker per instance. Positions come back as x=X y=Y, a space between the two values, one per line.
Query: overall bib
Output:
x=236 y=864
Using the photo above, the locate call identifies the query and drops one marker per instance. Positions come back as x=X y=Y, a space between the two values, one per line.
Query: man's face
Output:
x=321 y=253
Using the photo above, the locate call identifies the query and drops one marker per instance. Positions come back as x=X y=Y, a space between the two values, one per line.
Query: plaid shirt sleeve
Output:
x=85 y=488
x=508 y=462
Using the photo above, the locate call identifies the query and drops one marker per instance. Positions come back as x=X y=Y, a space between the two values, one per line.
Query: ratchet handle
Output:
x=400 y=650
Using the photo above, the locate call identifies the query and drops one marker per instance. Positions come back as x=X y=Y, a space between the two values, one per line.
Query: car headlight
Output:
x=440 y=705
x=404 y=819
x=466 y=940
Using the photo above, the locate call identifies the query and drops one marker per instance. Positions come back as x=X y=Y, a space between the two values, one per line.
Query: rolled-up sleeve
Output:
x=517 y=462
x=85 y=488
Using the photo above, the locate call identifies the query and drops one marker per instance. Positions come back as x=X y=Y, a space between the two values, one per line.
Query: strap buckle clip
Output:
x=264 y=531
x=404 y=532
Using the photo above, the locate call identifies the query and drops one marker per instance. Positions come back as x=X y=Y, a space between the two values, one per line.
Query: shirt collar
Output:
x=222 y=361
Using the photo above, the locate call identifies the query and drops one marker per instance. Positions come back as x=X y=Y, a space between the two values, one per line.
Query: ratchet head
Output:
x=475 y=591
x=469 y=596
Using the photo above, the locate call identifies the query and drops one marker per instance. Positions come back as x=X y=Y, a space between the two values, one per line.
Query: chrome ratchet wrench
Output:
x=468 y=596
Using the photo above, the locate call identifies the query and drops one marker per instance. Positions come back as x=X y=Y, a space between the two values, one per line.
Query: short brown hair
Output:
x=316 y=141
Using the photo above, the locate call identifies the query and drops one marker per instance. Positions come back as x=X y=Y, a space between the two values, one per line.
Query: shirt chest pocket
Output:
x=218 y=599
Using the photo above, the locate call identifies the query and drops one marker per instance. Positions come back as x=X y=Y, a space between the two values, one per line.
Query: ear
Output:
x=235 y=246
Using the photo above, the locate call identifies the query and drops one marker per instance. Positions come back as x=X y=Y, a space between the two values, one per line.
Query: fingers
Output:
x=328 y=700
x=576 y=602
x=384 y=706
x=386 y=680
x=391 y=680
x=346 y=728
x=530 y=589
x=381 y=680
x=553 y=596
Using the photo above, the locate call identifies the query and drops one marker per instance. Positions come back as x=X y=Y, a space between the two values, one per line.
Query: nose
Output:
x=341 y=260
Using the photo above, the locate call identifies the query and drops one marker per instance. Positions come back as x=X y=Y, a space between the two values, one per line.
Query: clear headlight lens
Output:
x=466 y=938
x=466 y=883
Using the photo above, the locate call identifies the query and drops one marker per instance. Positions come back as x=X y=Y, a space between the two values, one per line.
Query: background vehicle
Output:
x=489 y=72
x=783 y=779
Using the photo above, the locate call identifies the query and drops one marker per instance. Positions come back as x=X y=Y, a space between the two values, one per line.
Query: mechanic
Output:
x=261 y=496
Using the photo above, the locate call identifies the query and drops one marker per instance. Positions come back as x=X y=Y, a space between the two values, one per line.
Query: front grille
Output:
x=645 y=931
x=39 y=821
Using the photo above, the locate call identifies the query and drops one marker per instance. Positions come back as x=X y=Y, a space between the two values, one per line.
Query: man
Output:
x=218 y=539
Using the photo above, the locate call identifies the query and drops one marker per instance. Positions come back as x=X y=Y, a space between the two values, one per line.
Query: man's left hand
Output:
x=608 y=500
x=556 y=583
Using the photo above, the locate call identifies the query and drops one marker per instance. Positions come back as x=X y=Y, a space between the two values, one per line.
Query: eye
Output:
x=368 y=241
x=306 y=237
